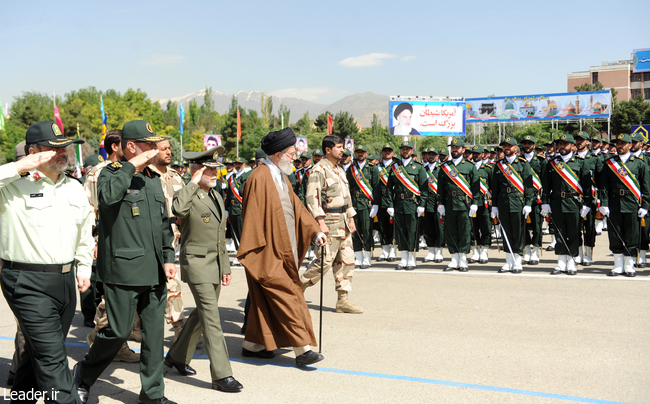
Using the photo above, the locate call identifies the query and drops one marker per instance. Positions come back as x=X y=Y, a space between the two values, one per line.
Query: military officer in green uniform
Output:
x=458 y=186
x=408 y=191
x=588 y=223
x=363 y=179
x=431 y=227
x=205 y=268
x=533 y=241
x=624 y=189
x=481 y=225
x=512 y=196
x=386 y=226
x=134 y=260
x=234 y=203
x=567 y=198
x=46 y=232
x=637 y=151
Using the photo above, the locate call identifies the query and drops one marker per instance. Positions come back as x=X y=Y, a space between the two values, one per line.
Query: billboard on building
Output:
x=641 y=60
x=591 y=104
x=427 y=118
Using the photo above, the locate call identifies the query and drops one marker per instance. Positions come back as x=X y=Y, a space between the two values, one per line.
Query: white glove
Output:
x=604 y=210
x=642 y=212
x=546 y=209
x=390 y=211
x=320 y=239
x=373 y=211
x=526 y=211
x=441 y=210
x=584 y=211
x=472 y=210
x=227 y=213
x=495 y=212
x=420 y=210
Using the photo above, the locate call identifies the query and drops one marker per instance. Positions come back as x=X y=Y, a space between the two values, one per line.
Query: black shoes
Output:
x=83 y=390
x=463 y=269
x=227 y=384
x=630 y=274
x=183 y=369
x=409 y=267
x=391 y=259
x=308 y=358
x=534 y=262
x=89 y=324
x=400 y=267
x=263 y=354
x=549 y=248
x=161 y=400
x=571 y=272
x=448 y=269
x=612 y=273
x=556 y=272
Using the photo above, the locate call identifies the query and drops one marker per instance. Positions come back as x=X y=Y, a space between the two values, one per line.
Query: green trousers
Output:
x=364 y=232
x=406 y=236
x=457 y=231
x=44 y=304
x=627 y=225
x=432 y=229
x=513 y=226
x=122 y=302
x=482 y=227
x=534 y=228
x=205 y=320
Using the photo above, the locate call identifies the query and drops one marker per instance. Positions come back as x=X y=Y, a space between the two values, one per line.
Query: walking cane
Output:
x=320 y=327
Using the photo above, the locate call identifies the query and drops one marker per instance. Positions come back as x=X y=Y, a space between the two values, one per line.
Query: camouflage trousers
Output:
x=173 y=311
x=339 y=256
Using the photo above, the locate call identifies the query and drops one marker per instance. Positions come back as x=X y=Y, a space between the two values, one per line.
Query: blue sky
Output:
x=319 y=51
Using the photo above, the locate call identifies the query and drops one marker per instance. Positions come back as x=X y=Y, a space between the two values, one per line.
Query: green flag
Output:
x=2 y=118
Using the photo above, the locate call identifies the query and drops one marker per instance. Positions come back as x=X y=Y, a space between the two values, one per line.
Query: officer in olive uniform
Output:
x=408 y=191
x=624 y=189
x=205 y=267
x=481 y=225
x=567 y=198
x=512 y=196
x=533 y=241
x=588 y=223
x=134 y=260
x=458 y=186
x=386 y=227
x=363 y=179
x=431 y=226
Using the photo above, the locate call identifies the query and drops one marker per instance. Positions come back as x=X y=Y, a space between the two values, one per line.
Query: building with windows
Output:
x=618 y=75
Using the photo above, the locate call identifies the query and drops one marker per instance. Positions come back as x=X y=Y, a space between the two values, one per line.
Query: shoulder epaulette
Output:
x=24 y=174
x=371 y=164
x=640 y=157
x=67 y=174
x=579 y=157
x=523 y=159
x=115 y=165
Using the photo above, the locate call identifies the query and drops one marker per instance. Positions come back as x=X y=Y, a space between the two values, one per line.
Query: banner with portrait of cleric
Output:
x=427 y=118
x=301 y=145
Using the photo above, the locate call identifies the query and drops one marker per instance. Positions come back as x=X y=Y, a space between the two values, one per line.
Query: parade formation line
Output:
x=400 y=378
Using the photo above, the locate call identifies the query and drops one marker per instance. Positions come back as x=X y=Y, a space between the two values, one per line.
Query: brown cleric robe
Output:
x=278 y=316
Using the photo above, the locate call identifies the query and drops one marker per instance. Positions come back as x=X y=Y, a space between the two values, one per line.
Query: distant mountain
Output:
x=361 y=106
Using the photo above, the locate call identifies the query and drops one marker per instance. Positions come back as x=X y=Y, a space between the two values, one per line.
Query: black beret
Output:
x=278 y=141
x=401 y=107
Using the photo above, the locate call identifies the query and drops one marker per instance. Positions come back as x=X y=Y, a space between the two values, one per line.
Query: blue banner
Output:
x=643 y=129
x=641 y=60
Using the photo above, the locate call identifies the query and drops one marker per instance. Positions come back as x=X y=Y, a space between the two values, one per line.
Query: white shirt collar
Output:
x=276 y=174
x=387 y=162
x=637 y=153
x=625 y=157
x=406 y=162
x=529 y=156
x=567 y=157
x=511 y=158
x=361 y=165
x=583 y=154
x=457 y=161
x=478 y=165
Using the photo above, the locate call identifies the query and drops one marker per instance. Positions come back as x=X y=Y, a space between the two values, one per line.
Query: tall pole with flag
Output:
x=78 y=161
x=2 y=118
x=102 y=150
x=330 y=124
x=182 y=119
x=238 y=130
x=57 y=116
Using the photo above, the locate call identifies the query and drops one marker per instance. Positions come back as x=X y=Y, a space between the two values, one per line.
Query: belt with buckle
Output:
x=21 y=266
x=340 y=209
x=623 y=192
x=456 y=193
x=509 y=190
x=568 y=194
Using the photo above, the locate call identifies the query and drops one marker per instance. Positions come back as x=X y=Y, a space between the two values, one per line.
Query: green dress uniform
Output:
x=135 y=243
x=482 y=226
x=510 y=202
x=46 y=230
x=405 y=200
x=234 y=205
x=431 y=221
x=296 y=184
x=588 y=223
x=624 y=206
x=534 y=228
x=386 y=226
x=368 y=176
x=456 y=205
x=204 y=261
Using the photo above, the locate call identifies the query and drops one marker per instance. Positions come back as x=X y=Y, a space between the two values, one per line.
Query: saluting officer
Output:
x=363 y=179
x=458 y=186
x=512 y=196
x=134 y=260
x=385 y=169
x=481 y=222
x=624 y=189
x=537 y=164
x=588 y=223
x=567 y=198
x=408 y=191
x=431 y=222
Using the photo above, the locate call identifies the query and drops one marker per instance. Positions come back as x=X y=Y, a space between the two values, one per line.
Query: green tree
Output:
x=321 y=121
x=267 y=109
x=344 y=125
x=283 y=114
x=304 y=125
x=629 y=113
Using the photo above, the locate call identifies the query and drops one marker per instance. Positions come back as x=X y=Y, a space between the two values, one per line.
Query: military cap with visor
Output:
x=444 y=152
x=48 y=133
x=509 y=140
x=477 y=149
x=208 y=158
x=406 y=143
x=529 y=138
x=458 y=142
x=637 y=137
x=623 y=137
x=140 y=131
x=93 y=160
x=318 y=152
x=360 y=147
x=566 y=138
x=238 y=160
x=432 y=150
x=259 y=154
x=597 y=139
x=582 y=135
x=305 y=155
x=347 y=152
x=387 y=146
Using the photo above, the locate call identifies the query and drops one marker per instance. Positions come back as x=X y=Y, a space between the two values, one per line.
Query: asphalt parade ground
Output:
x=429 y=336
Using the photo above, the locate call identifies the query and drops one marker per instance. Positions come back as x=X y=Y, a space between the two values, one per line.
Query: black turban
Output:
x=401 y=107
x=277 y=141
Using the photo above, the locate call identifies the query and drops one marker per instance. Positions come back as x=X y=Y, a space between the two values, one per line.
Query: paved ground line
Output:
x=495 y=273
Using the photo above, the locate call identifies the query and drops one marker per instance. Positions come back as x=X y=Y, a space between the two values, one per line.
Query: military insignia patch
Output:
x=507 y=171
x=527 y=138
x=149 y=129
x=563 y=137
x=100 y=158
x=206 y=217
x=359 y=147
x=621 y=136
x=454 y=141
x=507 y=139
x=622 y=172
x=453 y=174
x=116 y=164
x=56 y=130
x=36 y=176
x=413 y=166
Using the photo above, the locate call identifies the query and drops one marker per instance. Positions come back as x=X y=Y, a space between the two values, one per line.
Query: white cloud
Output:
x=372 y=59
x=309 y=94
x=159 y=60
x=407 y=58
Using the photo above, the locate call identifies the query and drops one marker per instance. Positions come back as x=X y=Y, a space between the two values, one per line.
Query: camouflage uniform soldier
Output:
x=328 y=199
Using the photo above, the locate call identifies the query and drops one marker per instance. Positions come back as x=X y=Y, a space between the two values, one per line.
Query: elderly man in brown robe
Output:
x=276 y=235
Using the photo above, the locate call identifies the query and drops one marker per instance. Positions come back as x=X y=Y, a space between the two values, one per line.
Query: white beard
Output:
x=402 y=130
x=285 y=165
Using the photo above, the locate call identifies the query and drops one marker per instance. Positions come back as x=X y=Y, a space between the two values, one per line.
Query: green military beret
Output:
x=444 y=152
x=477 y=149
x=208 y=158
x=406 y=144
x=318 y=152
x=305 y=155
x=509 y=140
x=624 y=137
x=458 y=142
x=93 y=160
x=347 y=152
x=360 y=147
x=529 y=138
x=582 y=135
x=140 y=131
x=260 y=154
x=238 y=160
x=566 y=138
x=387 y=146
